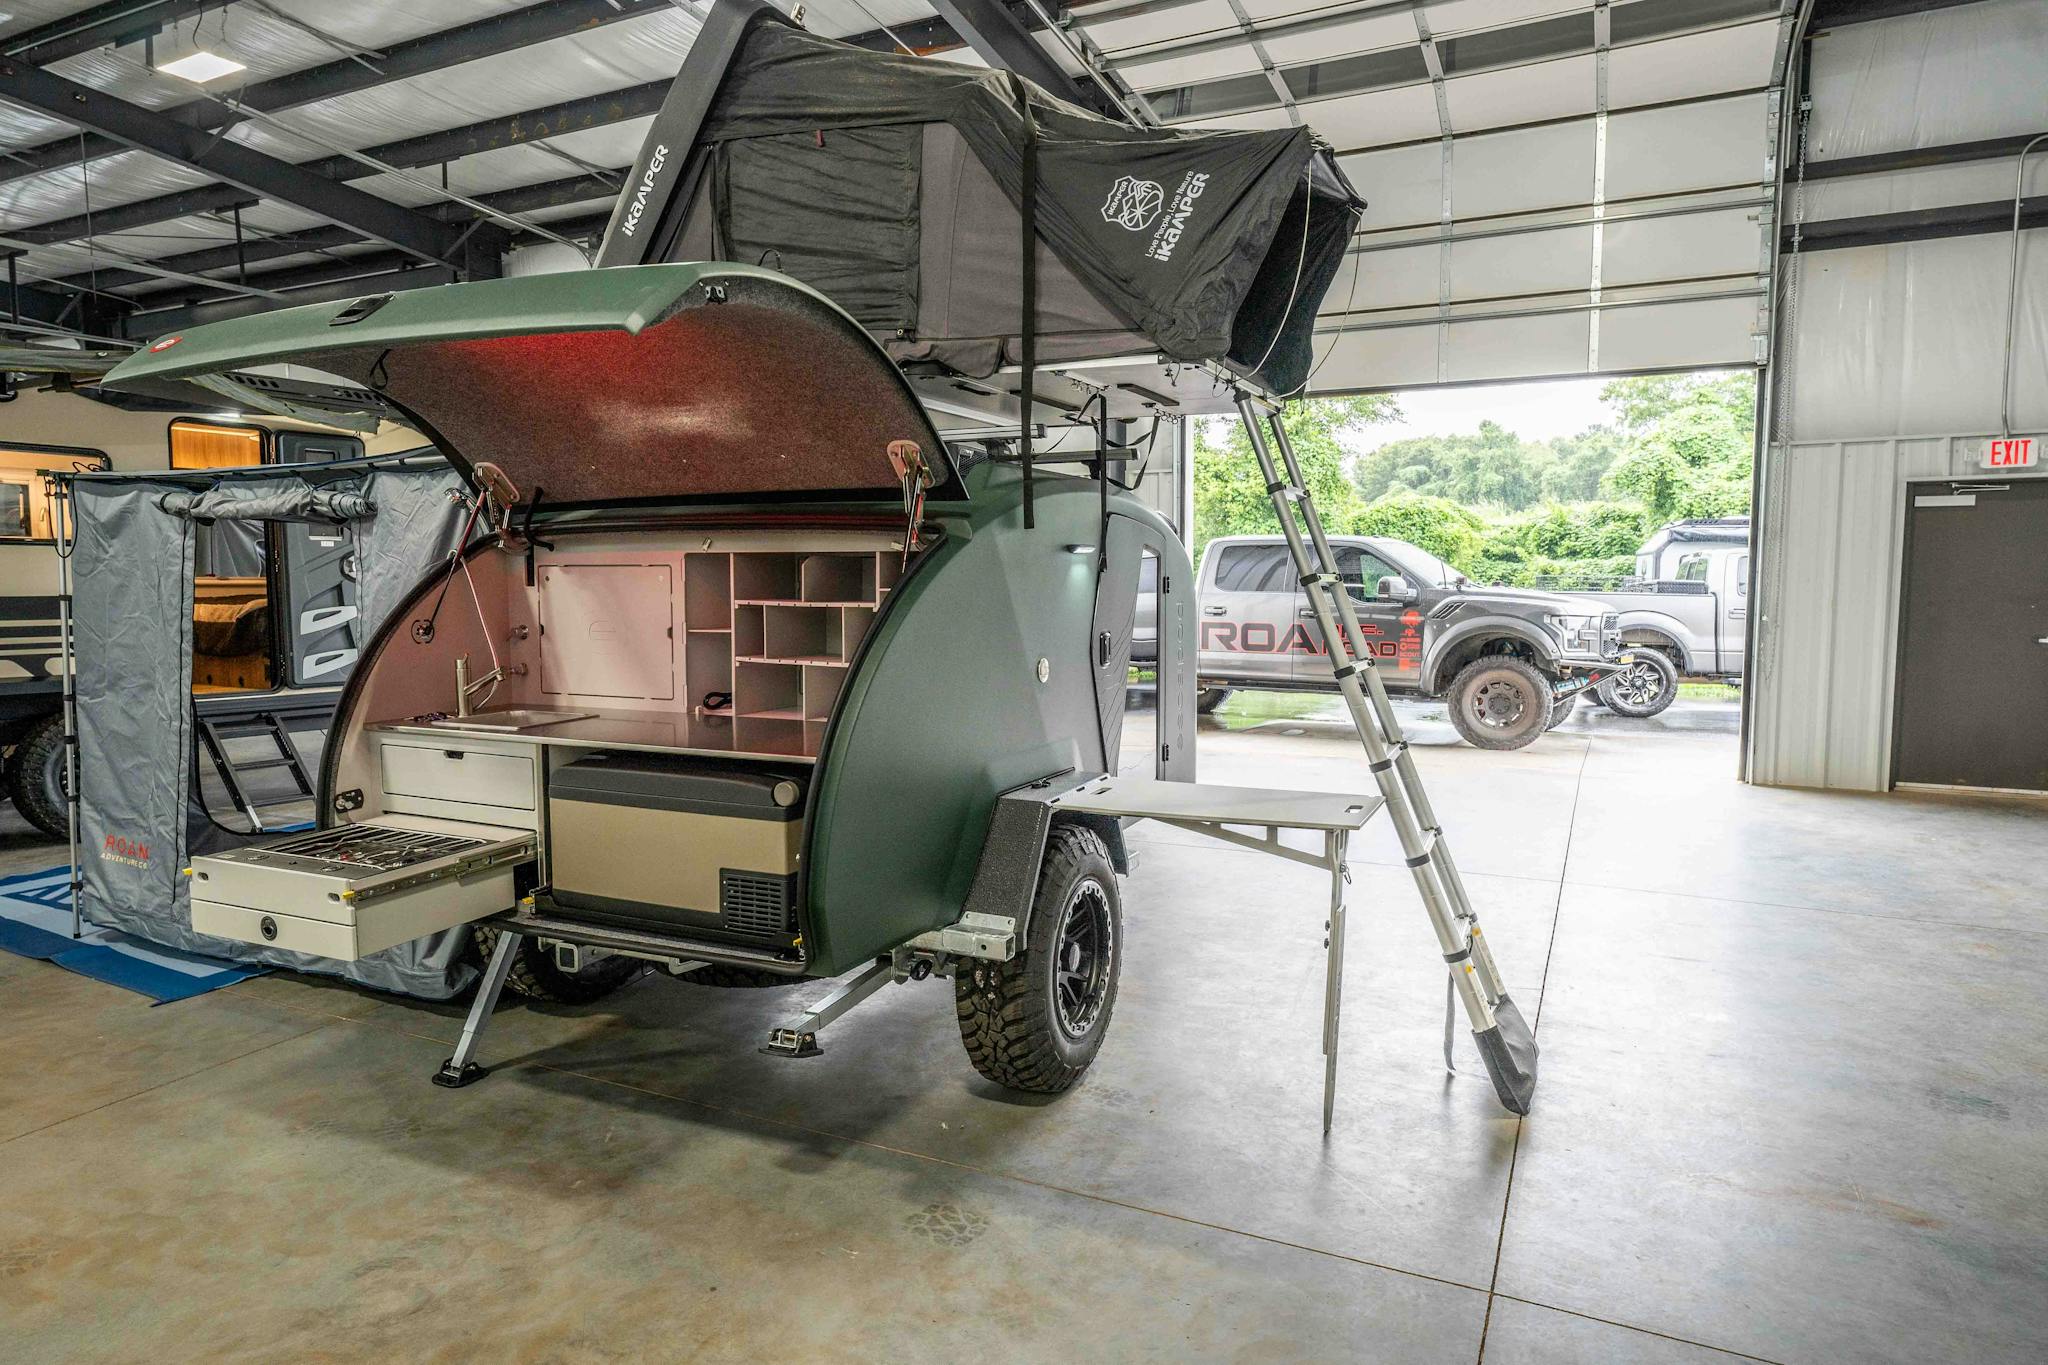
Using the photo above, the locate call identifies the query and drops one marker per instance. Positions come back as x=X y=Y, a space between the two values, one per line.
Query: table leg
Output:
x=1333 y=970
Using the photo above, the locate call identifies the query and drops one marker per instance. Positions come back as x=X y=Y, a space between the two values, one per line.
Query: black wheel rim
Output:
x=1083 y=956
x=1639 y=684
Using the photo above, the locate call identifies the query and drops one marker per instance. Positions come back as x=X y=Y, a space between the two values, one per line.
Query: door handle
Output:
x=1306 y=611
x=1214 y=611
x=2042 y=641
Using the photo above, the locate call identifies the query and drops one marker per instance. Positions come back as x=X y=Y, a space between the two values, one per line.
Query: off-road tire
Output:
x=35 y=778
x=1010 y=1015
x=1659 y=662
x=1561 y=710
x=1493 y=671
x=738 y=978
x=535 y=975
x=1207 y=699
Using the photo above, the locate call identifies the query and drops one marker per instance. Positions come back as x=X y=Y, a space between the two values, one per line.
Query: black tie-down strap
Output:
x=1509 y=1051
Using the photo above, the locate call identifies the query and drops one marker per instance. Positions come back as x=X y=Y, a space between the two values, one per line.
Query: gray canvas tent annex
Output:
x=140 y=814
x=903 y=189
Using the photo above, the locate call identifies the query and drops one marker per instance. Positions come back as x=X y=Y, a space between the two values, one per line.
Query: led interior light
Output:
x=180 y=55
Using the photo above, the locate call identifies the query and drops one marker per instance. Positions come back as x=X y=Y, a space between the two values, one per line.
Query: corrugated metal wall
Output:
x=1888 y=366
x=1828 y=644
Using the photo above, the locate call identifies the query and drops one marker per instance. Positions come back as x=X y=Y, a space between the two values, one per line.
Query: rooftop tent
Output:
x=141 y=817
x=899 y=187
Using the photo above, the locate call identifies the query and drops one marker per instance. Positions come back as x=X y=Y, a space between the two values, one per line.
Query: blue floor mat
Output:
x=35 y=921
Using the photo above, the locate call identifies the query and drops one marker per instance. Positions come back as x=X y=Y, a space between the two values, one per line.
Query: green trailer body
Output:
x=695 y=398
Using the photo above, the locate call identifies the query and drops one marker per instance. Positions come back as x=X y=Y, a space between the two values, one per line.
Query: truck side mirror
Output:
x=1395 y=588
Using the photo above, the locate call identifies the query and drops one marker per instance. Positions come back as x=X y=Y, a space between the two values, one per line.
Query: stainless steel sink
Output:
x=516 y=718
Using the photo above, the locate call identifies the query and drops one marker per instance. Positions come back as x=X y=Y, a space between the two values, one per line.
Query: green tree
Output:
x=1690 y=443
x=1578 y=463
x=1452 y=533
x=1493 y=467
x=1230 y=494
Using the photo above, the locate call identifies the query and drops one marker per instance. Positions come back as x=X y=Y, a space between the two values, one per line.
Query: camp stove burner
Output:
x=369 y=848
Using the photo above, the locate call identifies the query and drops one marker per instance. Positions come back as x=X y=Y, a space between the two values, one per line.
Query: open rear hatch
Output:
x=631 y=385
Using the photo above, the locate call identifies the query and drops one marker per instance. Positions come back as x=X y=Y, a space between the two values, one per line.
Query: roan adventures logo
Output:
x=120 y=850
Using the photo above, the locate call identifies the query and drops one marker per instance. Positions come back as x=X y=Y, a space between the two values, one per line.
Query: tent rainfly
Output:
x=904 y=190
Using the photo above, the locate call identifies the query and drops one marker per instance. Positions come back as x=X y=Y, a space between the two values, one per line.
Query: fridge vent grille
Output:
x=754 y=903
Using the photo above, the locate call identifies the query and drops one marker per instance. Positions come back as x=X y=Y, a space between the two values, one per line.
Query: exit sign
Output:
x=2011 y=452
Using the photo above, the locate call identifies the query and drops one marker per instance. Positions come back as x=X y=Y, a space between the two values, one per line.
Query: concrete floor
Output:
x=1794 y=1107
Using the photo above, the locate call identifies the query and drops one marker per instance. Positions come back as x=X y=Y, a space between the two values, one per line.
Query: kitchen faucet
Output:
x=464 y=688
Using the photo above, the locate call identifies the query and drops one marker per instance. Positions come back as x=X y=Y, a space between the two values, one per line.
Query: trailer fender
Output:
x=1006 y=877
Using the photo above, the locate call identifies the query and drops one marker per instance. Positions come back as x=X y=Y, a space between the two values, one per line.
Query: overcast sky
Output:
x=1535 y=412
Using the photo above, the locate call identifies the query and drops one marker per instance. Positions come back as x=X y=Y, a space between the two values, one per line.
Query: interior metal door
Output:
x=1973 y=637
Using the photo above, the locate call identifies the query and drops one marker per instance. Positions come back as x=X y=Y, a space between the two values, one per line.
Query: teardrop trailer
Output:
x=761 y=675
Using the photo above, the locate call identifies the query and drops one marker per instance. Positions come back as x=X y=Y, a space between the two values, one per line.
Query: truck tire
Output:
x=35 y=778
x=1644 y=688
x=1035 y=1023
x=1207 y=699
x=1561 y=710
x=1500 y=702
x=738 y=978
x=535 y=975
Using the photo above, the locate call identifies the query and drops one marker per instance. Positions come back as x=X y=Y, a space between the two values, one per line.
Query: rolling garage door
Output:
x=1973 y=637
x=1555 y=187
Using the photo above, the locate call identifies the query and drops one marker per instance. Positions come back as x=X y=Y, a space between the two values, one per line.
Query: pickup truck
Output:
x=1509 y=662
x=1683 y=615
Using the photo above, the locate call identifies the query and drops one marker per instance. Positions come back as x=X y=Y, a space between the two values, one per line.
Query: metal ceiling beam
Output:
x=1919 y=158
x=1918 y=225
x=1840 y=13
x=1003 y=40
x=597 y=111
x=434 y=52
x=379 y=219
x=117 y=21
x=575 y=189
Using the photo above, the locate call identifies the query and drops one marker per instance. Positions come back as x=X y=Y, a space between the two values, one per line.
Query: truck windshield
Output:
x=1427 y=564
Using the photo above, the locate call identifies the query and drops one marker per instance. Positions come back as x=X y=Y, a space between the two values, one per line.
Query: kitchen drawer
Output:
x=459 y=772
x=321 y=938
x=354 y=889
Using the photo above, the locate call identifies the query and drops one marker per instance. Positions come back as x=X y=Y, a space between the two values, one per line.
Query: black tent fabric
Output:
x=895 y=185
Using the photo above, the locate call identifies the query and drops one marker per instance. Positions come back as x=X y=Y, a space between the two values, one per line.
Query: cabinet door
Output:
x=608 y=630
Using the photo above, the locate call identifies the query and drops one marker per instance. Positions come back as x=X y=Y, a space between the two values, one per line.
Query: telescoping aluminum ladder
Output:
x=1503 y=1036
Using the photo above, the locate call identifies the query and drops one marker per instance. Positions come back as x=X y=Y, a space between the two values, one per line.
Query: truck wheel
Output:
x=1644 y=688
x=1500 y=702
x=718 y=974
x=1561 y=710
x=535 y=975
x=1034 y=1023
x=35 y=778
x=1207 y=699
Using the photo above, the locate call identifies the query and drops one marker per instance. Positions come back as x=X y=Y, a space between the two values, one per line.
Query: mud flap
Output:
x=1509 y=1049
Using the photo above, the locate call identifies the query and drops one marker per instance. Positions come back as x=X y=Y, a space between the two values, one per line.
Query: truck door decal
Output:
x=1260 y=637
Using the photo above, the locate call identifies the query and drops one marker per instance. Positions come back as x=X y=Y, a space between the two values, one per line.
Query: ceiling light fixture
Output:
x=180 y=55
